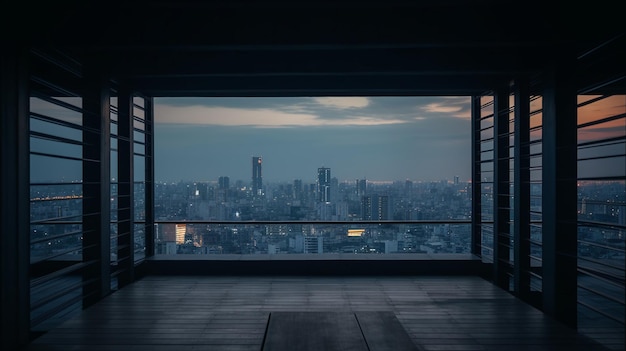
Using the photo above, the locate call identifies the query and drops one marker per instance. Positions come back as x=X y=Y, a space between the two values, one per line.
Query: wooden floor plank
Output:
x=383 y=332
x=182 y=313
x=311 y=331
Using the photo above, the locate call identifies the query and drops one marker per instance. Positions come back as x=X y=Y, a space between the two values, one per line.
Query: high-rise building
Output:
x=297 y=189
x=323 y=184
x=381 y=206
x=314 y=244
x=366 y=208
x=224 y=182
x=375 y=207
x=257 y=178
x=361 y=187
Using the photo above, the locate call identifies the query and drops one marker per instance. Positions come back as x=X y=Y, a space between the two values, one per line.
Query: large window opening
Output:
x=313 y=175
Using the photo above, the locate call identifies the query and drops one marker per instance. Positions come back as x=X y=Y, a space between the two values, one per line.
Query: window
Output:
x=312 y=175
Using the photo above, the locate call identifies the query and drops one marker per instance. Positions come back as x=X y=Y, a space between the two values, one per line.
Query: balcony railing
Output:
x=313 y=237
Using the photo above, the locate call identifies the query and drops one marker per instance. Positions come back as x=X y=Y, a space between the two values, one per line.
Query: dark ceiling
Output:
x=205 y=48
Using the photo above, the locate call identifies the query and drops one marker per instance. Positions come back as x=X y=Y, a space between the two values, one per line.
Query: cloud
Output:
x=263 y=117
x=441 y=108
x=309 y=111
x=343 y=102
x=454 y=106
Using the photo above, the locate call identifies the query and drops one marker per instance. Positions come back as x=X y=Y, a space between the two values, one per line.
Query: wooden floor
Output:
x=232 y=313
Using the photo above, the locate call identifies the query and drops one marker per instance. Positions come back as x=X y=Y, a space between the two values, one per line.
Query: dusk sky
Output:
x=377 y=138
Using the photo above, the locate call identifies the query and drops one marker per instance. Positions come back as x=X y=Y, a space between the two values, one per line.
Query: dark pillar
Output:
x=149 y=176
x=14 y=203
x=126 y=216
x=476 y=177
x=501 y=189
x=559 y=190
x=521 y=231
x=96 y=184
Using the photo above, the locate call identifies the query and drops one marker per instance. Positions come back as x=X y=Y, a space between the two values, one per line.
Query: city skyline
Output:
x=378 y=138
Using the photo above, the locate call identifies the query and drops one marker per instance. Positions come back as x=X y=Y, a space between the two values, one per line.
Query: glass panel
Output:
x=139 y=136
x=536 y=232
x=139 y=125
x=66 y=207
x=50 y=109
x=139 y=171
x=604 y=167
x=601 y=214
x=50 y=128
x=44 y=169
x=536 y=161
x=60 y=248
x=536 y=175
x=536 y=252
x=52 y=192
x=139 y=101
x=486 y=123
x=486 y=155
x=140 y=201
x=606 y=130
x=139 y=149
x=140 y=242
x=486 y=134
x=207 y=238
x=55 y=147
x=601 y=107
x=536 y=148
x=535 y=283
x=56 y=193
x=138 y=112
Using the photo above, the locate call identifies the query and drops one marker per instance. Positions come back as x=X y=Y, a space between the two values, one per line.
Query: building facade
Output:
x=257 y=176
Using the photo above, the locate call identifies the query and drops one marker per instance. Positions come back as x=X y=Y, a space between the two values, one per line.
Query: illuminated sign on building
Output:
x=356 y=232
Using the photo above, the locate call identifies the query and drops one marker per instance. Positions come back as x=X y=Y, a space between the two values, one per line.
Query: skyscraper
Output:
x=224 y=182
x=323 y=184
x=361 y=187
x=257 y=178
x=297 y=189
x=375 y=207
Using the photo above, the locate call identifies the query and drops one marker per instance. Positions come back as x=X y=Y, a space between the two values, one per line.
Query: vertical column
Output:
x=126 y=216
x=501 y=190
x=14 y=202
x=96 y=185
x=149 y=118
x=476 y=176
x=521 y=231
x=559 y=190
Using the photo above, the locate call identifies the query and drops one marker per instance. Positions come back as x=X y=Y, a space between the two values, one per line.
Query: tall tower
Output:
x=361 y=187
x=323 y=184
x=257 y=178
x=297 y=189
x=375 y=207
x=223 y=182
